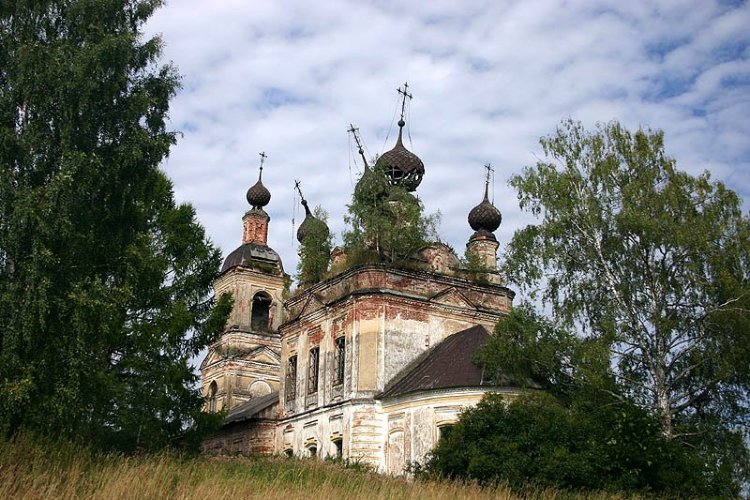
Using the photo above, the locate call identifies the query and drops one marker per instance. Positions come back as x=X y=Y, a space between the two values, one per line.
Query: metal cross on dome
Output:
x=297 y=187
x=263 y=157
x=489 y=171
x=354 y=131
x=405 y=93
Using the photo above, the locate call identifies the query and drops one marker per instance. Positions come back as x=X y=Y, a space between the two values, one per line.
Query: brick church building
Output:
x=372 y=363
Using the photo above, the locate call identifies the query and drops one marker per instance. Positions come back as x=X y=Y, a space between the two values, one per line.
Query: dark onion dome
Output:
x=251 y=253
x=309 y=222
x=485 y=217
x=258 y=196
x=402 y=167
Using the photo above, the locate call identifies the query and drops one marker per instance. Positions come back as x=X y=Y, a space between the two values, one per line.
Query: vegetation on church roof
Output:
x=386 y=223
x=314 y=249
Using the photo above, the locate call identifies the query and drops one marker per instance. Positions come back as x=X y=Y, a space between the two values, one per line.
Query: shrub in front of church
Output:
x=586 y=444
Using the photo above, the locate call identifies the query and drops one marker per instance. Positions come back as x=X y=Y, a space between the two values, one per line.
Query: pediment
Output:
x=452 y=297
x=262 y=355
x=312 y=304
x=211 y=358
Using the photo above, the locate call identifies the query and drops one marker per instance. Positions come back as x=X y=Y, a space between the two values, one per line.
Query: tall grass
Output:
x=32 y=470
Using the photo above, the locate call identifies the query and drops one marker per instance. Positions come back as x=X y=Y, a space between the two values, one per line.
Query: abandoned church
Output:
x=371 y=363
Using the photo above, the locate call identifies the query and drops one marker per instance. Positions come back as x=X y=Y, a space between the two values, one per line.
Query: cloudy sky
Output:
x=488 y=79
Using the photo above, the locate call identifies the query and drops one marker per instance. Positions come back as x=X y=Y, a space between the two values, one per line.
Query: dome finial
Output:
x=485 y=217
x=489 y=171
x=263 y=157
x=406 y=95
x=354 y=131
x=258 y=196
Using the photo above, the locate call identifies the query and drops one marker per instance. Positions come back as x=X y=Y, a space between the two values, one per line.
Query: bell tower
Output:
x=244 y=362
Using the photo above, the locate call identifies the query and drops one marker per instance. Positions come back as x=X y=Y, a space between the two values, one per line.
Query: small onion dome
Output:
x=402 y=167
x=485 y=217
x=309 y=223
x=258 y=196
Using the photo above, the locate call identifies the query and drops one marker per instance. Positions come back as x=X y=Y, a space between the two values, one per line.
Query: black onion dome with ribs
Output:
x=258 y=196
x=309 y=222
x=485 y=216
x=402 y=167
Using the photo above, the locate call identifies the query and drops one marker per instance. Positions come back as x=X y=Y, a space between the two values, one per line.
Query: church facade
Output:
x=372 y=364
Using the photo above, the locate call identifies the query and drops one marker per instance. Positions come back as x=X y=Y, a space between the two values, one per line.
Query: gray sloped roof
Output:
x=245 y=254
x=248 y=409
x=447 y=365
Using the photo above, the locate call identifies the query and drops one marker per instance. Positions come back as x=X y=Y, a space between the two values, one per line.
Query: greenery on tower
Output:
x=386 y=222
x=105 y=281
x=315 y=249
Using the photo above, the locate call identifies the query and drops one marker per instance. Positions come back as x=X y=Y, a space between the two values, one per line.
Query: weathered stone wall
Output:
x=250 y=437
x=244 y=362
x=414 y=422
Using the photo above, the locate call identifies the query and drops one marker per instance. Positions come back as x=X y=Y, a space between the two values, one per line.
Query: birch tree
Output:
x=651 y=260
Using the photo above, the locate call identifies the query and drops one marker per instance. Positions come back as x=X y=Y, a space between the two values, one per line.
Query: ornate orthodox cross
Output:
x=405 y=93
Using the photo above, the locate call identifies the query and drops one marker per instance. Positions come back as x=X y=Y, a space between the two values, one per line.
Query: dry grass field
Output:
x=32 y=471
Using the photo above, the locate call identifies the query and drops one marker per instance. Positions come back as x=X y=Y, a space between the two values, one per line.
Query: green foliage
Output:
x=104 y=280
x=644 y=257
x=315 y=249
x=533 y=351
x=600 y=443
x=386 y=223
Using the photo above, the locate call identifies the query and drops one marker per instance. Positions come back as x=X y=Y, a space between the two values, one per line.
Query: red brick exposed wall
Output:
x=255 y=227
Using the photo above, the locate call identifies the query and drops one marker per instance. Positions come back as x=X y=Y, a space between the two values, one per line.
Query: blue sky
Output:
x=488 y=78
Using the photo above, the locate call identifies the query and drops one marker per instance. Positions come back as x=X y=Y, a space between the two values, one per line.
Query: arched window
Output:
x=212 y=390
x=260 y=312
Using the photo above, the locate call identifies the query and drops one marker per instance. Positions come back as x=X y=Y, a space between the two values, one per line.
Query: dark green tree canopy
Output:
x=585 y=444
x=104 y=280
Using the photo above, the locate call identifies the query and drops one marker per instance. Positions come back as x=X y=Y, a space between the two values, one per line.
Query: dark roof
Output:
x=401 y=165
x=245 y=254
x=485 y=216
x=258 y=195
x=448 y=364
x=251 y=408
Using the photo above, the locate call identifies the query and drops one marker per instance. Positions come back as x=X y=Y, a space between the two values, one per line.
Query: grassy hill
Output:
x=30 y=470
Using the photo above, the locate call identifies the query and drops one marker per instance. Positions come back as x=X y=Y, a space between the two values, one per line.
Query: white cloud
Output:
x=489 y=78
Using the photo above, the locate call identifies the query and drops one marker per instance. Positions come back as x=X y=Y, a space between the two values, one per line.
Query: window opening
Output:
x=312 y=370
x=339 y=363
x=338 y=444
x=260 y=312
x=212 y=390
x=290 y=386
